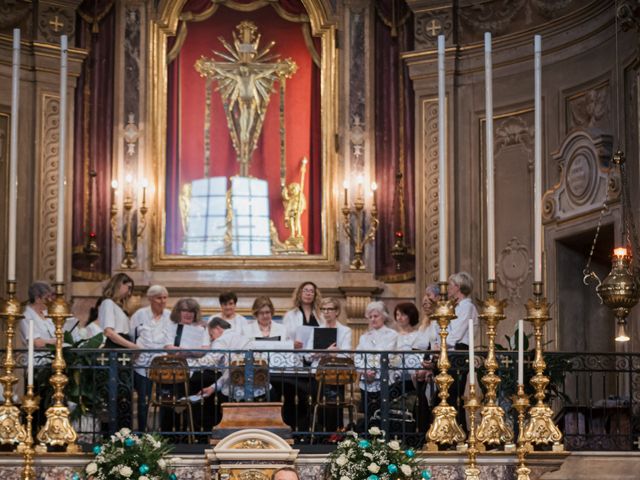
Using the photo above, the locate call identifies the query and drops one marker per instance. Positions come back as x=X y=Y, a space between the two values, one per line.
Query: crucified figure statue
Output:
x=245 y=82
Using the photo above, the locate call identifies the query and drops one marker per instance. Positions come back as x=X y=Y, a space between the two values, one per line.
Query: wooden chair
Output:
x=169 y=375
x=336 y=373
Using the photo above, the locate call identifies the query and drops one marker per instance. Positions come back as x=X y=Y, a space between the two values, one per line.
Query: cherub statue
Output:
x=294 y=204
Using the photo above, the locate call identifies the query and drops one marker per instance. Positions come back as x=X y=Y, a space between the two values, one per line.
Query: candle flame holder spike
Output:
x=357 y=235
x=133 y=224
x=492 y=429
x=57 y=431
x=472 y=472
x=29 y=405
x=444 y=429
x=521 y=404
x=539 y=428
x=12 y=431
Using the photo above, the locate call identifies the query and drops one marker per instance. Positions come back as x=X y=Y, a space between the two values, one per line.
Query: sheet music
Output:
x=192 y=337
x=303 y=333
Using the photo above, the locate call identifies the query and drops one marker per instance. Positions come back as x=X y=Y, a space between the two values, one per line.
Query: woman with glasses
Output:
x=187 y=331
x=305 y=312
x=263 y=326
x=112 y=315
x=330 y=417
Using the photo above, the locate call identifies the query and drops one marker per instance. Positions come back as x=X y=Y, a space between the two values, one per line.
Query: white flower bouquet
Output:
x=131 y=457
x=358 y=458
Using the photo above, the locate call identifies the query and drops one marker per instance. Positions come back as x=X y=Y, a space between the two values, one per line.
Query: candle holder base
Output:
x=523 y=473
x=492 y=429
x=57 y=430
x=12 y=431
x=472 y=473
x=444 y=429
x=540 y=428
x=29 y=405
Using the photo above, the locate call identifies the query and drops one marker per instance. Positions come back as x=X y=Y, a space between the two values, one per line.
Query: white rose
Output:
x=162 y=463
x=344 y=478
x=126 y=471
x=341 y=460
x=124 y=432
x=406 y=469
x=375 y=431
x=92 y=468
x=373 y=468
x=143 y=477
x=368 y=455
x=394 y=445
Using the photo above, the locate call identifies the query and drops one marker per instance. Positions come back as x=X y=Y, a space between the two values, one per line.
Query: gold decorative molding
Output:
x=45 y=261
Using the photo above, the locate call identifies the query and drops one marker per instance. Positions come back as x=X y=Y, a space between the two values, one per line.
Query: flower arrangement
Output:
x=131 y=457
x=374 y=459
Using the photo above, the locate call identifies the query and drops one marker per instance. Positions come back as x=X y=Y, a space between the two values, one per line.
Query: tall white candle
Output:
x=30 y=359
x=491 y=222
x=13 y=158
x=61 y=161
x=520 y=352
x=472 y=356
x=537 y=185
x=442 y=164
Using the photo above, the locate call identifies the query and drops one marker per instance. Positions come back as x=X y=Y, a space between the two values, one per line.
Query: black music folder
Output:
x=324 y=337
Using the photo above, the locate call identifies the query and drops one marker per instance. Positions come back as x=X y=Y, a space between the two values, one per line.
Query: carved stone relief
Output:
x=589 y=108
x=514 y=130
x=430 y=182
x=585 y=180
x=492 y=17
x=55 y=21
x=46 y=260
x=428 y=25
x=12 y=13
x=513 y=268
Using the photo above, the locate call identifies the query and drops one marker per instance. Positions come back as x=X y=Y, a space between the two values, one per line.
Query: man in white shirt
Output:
x=460 y=288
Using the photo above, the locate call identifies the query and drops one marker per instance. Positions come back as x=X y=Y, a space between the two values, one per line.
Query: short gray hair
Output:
x=378 y=306
x=156 y=291
x=39 y=290
x=464 y=281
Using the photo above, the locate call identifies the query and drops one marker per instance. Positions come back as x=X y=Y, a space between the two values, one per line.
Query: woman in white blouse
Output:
x=264 y=326
x=377 y=337
x=305 y=311
x=112 y=315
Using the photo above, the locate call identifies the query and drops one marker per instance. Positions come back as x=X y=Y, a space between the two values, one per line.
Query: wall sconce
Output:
x=127 y=229
x=359 y=235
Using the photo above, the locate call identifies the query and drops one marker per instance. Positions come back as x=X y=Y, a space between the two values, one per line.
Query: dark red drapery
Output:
x=394 y=124
x=93 y=140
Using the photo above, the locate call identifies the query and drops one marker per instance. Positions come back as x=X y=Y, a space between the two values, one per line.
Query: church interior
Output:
x=400 y=158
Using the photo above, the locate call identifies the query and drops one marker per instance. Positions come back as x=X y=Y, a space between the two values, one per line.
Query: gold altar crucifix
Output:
x=245 y=82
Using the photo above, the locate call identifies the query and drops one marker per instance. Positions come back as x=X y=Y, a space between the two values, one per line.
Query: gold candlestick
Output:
x=540 y=429
x=12 y=431
x=492 y=429
x=444 y=429
x=521 y=404
x=29 y=405
x=57 y=431
x=472 y=472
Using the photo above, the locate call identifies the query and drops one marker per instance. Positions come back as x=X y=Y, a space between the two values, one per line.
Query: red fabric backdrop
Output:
x=185 y=143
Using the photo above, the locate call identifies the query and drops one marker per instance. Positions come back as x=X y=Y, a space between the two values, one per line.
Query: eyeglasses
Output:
x=328 y=309
x=308 y=290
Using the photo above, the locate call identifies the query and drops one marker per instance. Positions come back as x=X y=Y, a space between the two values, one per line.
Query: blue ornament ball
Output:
x=426 y=474
x=97 y=449
x=372 y=477
x=129 y=442
x=392 y=468
x=173 y=477
x=364 y=443
x=144 y=469
x=410 y=453
x=75 y=476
